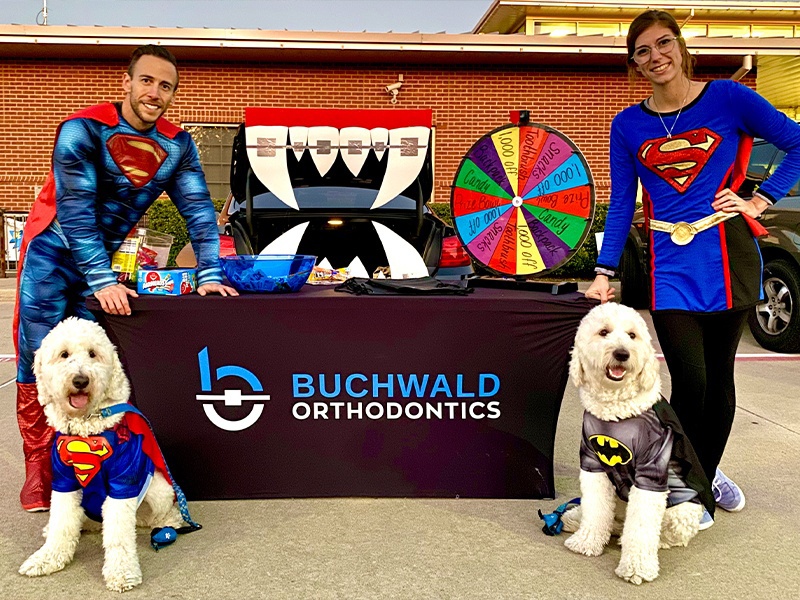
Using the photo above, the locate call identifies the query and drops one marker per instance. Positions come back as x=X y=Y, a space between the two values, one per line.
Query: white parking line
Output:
x=770 y=356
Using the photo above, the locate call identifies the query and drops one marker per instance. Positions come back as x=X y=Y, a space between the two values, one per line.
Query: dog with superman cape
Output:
x=107 y=466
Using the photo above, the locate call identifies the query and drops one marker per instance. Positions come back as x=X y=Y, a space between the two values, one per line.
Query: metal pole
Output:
x=42 y=12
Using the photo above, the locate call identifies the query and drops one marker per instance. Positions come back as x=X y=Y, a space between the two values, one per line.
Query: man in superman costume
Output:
x=110 y=163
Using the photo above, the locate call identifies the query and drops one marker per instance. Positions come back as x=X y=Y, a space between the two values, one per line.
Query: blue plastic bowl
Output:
x=268 y=273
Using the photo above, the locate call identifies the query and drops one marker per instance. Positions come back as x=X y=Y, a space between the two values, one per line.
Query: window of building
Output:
x=214 y=145
x=728 y=30
x=766 y=31
x=692 y=30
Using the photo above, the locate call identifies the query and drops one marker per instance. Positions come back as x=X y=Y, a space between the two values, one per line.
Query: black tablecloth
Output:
x=482 y=424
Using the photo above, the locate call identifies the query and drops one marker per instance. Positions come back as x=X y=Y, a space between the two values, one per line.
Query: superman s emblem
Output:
x=610 y=451
x=679 y=160
x=84 y=455
x=139 y=158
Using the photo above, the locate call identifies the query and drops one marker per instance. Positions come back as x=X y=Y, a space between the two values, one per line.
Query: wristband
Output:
x=764 y=198
x=604 y=271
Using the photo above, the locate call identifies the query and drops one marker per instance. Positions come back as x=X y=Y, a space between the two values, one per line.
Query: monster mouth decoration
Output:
x=270 y=134
x=267 y=146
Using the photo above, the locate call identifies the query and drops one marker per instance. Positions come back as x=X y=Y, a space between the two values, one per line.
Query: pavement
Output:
x=407 y=548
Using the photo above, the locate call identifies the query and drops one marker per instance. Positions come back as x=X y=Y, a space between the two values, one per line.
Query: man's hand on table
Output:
x=114 y=299
x=216 y=288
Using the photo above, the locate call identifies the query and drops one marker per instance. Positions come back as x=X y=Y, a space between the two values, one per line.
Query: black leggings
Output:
x=700 y=350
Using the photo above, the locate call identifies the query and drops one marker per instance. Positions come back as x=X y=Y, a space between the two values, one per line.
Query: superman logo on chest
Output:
x=138 y=158
x=680 y=159
x=84 y=454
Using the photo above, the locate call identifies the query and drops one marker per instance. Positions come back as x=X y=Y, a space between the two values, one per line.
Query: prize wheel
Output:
x=523 y=200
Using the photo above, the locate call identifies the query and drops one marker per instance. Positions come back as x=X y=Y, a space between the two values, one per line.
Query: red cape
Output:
x=138 y=425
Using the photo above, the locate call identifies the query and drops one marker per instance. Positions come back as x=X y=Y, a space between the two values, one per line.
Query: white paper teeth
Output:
x=404 y=260
x=355 y=143
x=407 y=148
x=298 y=138
x=323 y=143
x=380 y=141
x=265 y=150
x=356 y=268
x=288 y=242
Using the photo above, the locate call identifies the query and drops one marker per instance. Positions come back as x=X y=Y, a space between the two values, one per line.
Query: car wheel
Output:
x=633 y=279
x=775 y=323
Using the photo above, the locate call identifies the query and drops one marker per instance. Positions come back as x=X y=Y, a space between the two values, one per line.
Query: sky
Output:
x=403 y=16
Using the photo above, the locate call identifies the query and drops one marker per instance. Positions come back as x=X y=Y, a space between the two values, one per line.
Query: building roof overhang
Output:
x=225 y=45
x=505 y=16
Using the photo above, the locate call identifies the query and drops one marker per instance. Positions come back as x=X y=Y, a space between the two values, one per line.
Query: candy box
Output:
x=169 y=282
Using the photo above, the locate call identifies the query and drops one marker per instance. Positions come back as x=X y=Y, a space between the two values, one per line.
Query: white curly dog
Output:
x=625 y=450
x=78 y=373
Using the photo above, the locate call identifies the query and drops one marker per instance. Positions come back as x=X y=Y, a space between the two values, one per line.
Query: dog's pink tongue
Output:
x=617 y=371
x=78 y=400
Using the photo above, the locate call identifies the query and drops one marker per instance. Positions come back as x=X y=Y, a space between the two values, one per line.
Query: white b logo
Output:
x=231 y=397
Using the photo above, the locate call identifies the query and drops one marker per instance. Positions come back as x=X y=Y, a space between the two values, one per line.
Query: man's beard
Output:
x=137 y=110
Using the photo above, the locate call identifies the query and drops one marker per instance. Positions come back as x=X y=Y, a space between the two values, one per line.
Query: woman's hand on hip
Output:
x=728 y=201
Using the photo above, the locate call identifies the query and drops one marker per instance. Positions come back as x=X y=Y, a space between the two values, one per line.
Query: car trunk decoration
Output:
x=349 y=186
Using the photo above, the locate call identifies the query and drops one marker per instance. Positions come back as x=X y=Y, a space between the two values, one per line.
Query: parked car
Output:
x=305 y=195
x=775 y=323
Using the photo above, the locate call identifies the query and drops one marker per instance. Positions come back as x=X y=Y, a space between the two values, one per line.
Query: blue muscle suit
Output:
x=105 y=175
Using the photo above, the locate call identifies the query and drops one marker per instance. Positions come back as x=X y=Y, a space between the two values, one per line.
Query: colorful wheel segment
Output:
x=523 y=200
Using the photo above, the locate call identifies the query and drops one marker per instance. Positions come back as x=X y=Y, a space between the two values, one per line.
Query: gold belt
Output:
x=682 y=233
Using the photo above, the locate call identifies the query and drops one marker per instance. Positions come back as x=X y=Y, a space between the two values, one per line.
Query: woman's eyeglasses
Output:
x=642 y=54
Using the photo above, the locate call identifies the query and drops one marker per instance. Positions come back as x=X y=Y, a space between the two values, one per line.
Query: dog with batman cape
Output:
x=640 y=478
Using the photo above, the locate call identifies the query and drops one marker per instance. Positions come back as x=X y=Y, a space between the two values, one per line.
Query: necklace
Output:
x=664 y=125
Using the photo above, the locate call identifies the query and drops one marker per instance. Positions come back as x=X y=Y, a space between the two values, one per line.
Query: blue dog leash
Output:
x=552 y=521
x=160 y=536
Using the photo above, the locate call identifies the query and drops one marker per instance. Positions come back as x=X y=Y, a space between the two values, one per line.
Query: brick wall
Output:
x=467 y=102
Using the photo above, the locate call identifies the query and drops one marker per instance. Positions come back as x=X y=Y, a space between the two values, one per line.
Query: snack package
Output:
x=142 y=248
x=124 y=260
x=322 y=276
x=155 y=248
x=167 y=282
